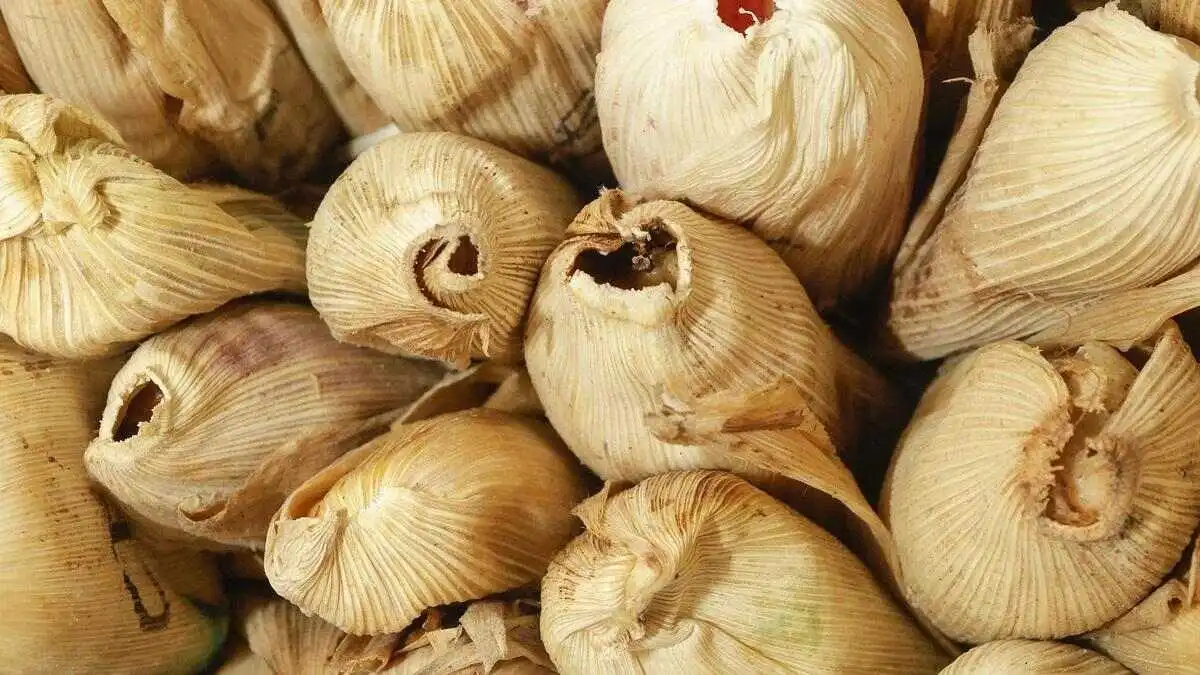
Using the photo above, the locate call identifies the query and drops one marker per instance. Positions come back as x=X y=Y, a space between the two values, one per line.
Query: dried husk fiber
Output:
x=740 y=125
x=80 y=594
x=211 y=424
x=438 y=511
x=672 y=577
x=1043 y=496
x=516 y=74
x=190 y=84
x=430 y=245
x=1028 y=657
x=1081 y=198
x=98 y=249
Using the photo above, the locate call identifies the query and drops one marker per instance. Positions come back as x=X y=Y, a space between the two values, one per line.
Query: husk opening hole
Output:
x=740 y=15
x=635 y=265
x=139 y=409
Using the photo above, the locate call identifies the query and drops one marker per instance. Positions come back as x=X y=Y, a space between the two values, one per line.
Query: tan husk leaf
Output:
x=1044 y=496
x=13 y=78
x=188 y=83
x=669 y=578
x=1027 y=657
x=77 y=589
x=430 y=244
x=438 y=511
x=516 y=74
x=266 y=218
x=1161 y=636
x=740 y=125
x=1084 y=191
x=98 y=249
x=210 y=425
x=311 y=35
x=489 y=384
x=282 y=636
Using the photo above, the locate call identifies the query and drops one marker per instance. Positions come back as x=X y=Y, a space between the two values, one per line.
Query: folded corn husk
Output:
x=98 y=249
x=741 y=125
x=1090 y=157
x=311 y=34
x=210 y=425
x=671 y=577
x=1044 y=496
x=189 y=84
x=13 y=78
x=1026 y=657
x=80 y=594
x=431 y=244
x=1161 y=636
x=516 y=74
x=438 y=511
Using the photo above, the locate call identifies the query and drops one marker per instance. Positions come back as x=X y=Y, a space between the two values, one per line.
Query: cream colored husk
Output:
x=1027 y=657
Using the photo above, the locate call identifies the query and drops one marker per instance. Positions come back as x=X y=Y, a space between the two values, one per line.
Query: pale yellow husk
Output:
x=1161 y=636
x=1177 y=17
x=516 y=74
x=79 y=593
x=1082 y=196
x=742 y=126
x=267 y=218
x=210 y=425
x=430 y=245
x=311 y=35
x=1027 y=657
x=98 y=249
x=13 y=78
x=438 y=511
x=190 y=84
x=699 y=572
x=1043 y=496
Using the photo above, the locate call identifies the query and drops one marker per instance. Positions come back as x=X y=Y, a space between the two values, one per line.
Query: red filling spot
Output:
x=740 y=14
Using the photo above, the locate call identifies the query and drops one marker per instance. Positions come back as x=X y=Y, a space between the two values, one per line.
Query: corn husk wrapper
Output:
x=13 y=78
x=669 y=578
x=311 y=35
x=245 y=662
x=190 y=84
x=98 y=249
x=1049 y=235
x=442 y=510
x=1042 y=496
x=431 y=244
x=516 y=74
x=1161 y=636
x=1177 y=17
x=80 y=594
x=740 y=125
x=1028 y=657
x=211 y=425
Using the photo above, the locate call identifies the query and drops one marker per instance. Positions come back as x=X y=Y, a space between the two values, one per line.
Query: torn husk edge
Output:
x=488 y=384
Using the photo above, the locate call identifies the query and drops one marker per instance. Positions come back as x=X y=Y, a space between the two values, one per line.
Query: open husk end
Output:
x=1028 y=657
x=430 y=244
x=74 y=582
x=98 y=249
x=439 y=511
x=190 y=84
x=669 y=578
x=210 y=425
x=1043 y=496
x=739 y=124
x=1090 y=156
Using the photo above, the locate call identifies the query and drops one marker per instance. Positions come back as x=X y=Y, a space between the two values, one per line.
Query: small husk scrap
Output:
x=1028 y=657
x=430 y=245
x=1043 y=496
x=438 y=511
x=210 y=425
x=699 y=572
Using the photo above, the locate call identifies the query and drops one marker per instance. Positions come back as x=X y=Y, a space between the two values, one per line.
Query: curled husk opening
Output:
x=1043 y=496
x=669 y=578
x=1161 y=636
x=1029 y=657
x=430 y=244
x=439 y=511
x=1081 y=198
x=307 y=25
x=516 y=74
x=739 y=124
x=210 y=425
x=189 y=84
x=98 y=249
x=74 y=582
x=13 y=78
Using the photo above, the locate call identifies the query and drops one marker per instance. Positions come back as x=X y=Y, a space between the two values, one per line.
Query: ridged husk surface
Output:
x=430 y=244
x=1028 y=657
